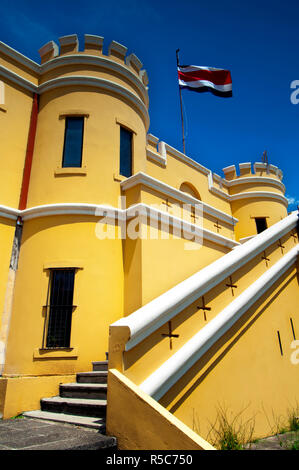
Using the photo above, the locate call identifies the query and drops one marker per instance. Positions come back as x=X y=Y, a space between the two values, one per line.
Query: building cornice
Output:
x=20 y=58
x=260 y=195
x=17 y=79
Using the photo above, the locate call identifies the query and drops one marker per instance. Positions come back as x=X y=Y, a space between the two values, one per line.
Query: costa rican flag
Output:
x=200 y=79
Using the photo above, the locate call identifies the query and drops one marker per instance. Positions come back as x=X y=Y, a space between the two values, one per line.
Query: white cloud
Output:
x=292 y=200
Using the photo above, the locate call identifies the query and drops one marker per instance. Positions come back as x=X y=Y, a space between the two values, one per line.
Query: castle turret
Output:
x=88 y=102
x=257 y=197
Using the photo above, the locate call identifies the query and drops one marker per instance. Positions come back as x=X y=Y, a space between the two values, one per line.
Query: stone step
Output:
x=83 y=390
x=84 y=421
x=98 y=377
x=75 y=406
x=100 y=365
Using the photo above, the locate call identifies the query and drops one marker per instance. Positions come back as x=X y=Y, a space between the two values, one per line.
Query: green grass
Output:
x=20 y=416
x=294 y=445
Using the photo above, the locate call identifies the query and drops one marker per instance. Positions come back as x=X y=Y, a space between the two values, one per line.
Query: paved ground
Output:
x=30 y=434
x=277 y=442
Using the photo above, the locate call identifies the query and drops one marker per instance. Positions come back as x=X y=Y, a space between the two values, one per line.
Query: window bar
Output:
x=46 y=312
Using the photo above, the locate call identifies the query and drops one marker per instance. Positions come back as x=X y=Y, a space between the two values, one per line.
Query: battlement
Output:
x=259 y=169
x=93 y=45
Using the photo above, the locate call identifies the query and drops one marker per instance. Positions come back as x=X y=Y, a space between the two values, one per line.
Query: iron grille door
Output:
x=60 y=308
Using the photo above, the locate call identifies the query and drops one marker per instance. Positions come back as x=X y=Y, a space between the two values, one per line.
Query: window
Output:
x=61 y=290
x=73 y=142
x=190 y=189
x=125 y=162
x=261 y=224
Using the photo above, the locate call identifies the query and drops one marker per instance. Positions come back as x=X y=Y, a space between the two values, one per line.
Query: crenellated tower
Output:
x=101 y=93
x=257 y=197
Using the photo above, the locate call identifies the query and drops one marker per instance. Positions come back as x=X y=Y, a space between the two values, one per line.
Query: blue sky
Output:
x=256 y=40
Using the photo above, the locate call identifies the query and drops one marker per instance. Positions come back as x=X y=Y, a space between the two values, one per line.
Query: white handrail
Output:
x=160 y=381
x=151 y=316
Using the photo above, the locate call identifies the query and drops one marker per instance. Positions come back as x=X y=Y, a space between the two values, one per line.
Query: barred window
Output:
x=60 y=308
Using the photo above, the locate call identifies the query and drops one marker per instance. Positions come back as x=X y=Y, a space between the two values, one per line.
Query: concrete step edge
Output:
x=84 y=421
x=75 y=401
x=93 y=373
x=91 y=386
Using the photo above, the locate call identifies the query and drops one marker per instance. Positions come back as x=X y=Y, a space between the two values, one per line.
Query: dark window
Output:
x=261 y=224
x=60 y=308
x=125 y=163
x=73 y=141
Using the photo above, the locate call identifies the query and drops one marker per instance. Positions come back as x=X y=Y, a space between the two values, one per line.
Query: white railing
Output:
x=160 y=381
x=151 y=316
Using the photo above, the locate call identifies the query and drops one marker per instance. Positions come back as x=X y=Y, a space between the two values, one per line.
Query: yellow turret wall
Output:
x=128 y=238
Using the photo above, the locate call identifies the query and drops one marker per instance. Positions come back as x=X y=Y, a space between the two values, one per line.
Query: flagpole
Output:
x=180 y=92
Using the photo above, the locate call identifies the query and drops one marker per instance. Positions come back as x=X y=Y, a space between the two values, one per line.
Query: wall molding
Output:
x=166 y=189
x=114 y=213
x=102 y=62
x=260 y=194
x=18 y=57
x=108 y=85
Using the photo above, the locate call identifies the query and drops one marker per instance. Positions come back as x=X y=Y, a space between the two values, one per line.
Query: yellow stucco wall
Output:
x=14 y=126
x=100 y=158
x=245 y=210
x=7 y=231
x=64 y=241
x=160 y=429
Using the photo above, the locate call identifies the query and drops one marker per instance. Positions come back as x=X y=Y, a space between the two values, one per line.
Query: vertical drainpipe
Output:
x=18 y=234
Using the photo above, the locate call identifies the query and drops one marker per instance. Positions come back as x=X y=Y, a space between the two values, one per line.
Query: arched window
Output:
x=190 y=189
x=2 y=94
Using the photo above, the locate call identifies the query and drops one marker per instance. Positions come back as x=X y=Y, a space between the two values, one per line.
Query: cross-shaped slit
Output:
x=204 y=308
x=265 y=258
x=231 y=285
x=193 y=216
x=167 y=204
x=170 y=335
x=294 y=235
x=281 y=246
x=218 y=227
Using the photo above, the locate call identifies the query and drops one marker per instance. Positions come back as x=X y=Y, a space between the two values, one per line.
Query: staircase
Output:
x=82 y=403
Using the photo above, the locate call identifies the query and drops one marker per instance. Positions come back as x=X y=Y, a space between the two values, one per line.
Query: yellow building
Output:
x=112 y=241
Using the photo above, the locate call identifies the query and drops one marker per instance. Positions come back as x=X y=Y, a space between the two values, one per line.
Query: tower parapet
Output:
x=260 y=169
x=93 y=46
